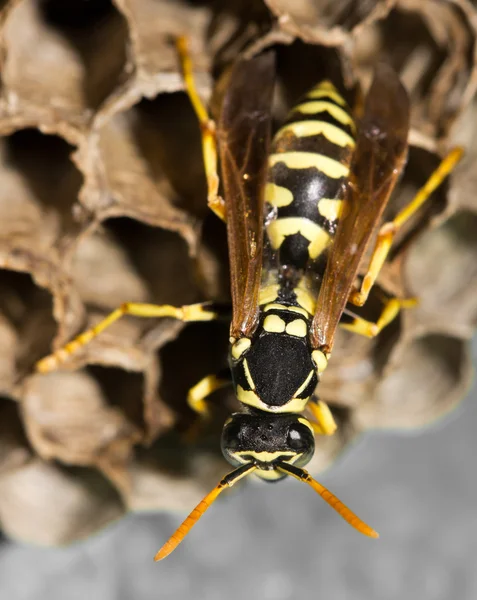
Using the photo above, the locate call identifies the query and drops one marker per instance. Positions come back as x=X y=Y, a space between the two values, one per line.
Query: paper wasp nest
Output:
x=102 y=200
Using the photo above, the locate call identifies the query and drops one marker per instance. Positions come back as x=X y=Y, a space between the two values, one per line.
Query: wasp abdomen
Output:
x=308 y=168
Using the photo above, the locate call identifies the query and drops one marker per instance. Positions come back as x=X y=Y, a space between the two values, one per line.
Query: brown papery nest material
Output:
x=102 y=200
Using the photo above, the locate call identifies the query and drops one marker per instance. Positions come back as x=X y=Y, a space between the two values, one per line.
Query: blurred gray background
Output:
x=418 y=490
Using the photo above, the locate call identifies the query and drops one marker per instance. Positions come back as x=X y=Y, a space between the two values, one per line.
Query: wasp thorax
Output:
x=268 y=440
x=275 y=371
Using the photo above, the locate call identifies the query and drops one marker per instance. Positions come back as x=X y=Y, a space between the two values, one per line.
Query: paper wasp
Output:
x=300 y=213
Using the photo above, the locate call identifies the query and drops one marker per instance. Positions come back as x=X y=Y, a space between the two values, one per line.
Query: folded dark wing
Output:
x=379 y=157
x=244 y=139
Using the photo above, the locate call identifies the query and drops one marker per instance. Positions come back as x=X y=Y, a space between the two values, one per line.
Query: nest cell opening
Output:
x=122 y=389
x=48 y=504
x=153 y=161
x=198 y=351
x=160 y=259
x=419 y=167
x=78 y=58
x=29 y=309
x=14 y=447
x=39 y=190
x=431 y=50
x=424 y=384
x=442 y=269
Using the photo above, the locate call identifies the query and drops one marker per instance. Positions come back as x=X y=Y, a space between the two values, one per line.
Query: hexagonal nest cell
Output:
x=103 y=201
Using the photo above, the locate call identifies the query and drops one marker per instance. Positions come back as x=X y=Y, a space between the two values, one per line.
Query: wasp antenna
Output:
x=344 y=512
x=228 y=481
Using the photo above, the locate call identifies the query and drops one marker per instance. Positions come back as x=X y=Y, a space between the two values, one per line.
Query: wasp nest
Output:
x=102 y=200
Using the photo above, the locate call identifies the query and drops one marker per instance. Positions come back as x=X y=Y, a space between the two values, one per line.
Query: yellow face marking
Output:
x=250 y=398
x=317 y=106
x=248 y=376
x=264 y=456
x=304 y=384
x=273 y=324
x=270 y=475
x=330 y=208
x=278 y=196
x=329 y=91
x=268 y=457
x=320 y=360
x=297 y=328
x=319 y=244
x=305 y=299
x=332 y=133
x=306 y=160
x=278 y=230
x=295 y=309
x=268 y=294
x=239 y=347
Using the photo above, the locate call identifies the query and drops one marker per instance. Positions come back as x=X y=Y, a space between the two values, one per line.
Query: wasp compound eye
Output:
x=301 y=442
x=296 y=440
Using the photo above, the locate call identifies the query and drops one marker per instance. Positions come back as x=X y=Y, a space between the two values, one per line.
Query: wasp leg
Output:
x=389 y=312
x=206 y=311
x=198 y=394
x=324 y=423
x=197 y=399
x=207 y=129
x=389 y=230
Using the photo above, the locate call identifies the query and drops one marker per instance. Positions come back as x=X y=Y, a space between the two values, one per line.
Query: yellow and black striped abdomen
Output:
x=308 y=166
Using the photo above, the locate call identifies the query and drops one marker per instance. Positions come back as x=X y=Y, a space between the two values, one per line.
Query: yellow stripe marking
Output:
x=319 y=244
x=320 y=360
x=248 y=374
x=273 y=324
x=277 y=195
x=295 y=309
x=333 y=134
x=330 y=208
x=264 y=455
x=250 y=398
x=305 y=422
x=297 y=328
x=307 y=160
x=268 y=294
x=317 y=106
x=305 y=299
x=328 y=92
x=304 y=384
x=279 y=229
x=239 y=347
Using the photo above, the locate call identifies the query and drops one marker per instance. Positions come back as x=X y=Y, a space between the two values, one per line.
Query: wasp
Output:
x=300 y=211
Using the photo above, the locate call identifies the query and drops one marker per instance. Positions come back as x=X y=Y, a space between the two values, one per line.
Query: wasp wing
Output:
x=243 y=138
x=379 y=157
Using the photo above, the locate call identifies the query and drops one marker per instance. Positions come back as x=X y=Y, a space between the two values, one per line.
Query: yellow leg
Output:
x=389 y=230
x=390 y=311
x=193 y=312
x=324 y=423
x=207 y=128
x=196 y=398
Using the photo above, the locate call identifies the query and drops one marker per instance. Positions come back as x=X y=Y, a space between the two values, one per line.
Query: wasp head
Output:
x=266 y=440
